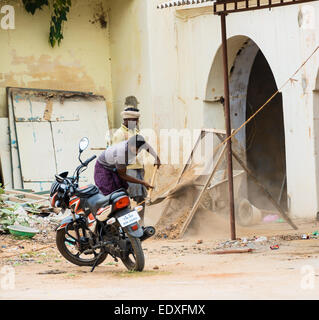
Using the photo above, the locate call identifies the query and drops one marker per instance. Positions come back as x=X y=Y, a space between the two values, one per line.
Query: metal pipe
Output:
x=228 y=129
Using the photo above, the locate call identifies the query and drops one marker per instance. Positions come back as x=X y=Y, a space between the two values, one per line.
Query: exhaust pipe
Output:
x=147 y=233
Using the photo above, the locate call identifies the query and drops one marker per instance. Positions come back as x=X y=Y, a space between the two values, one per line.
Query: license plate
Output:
x=129 y=218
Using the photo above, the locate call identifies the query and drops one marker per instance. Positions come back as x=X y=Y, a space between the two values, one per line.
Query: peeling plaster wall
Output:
x=148 y=61
x=81 y=63
x=130 y=56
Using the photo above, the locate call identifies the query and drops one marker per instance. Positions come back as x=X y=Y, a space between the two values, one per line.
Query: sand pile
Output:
x=175 y=212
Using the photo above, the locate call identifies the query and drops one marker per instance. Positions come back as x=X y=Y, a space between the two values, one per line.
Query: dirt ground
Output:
x=175 y=269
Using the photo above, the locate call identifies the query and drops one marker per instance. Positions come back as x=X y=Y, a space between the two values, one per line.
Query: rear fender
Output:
x=128 y=229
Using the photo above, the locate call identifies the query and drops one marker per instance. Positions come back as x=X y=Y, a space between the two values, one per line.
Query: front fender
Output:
x=66 y=221
x=128 y=229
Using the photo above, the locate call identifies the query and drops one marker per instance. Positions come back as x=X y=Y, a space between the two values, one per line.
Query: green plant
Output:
x=33 y=5
x=60 y=9
x=33 y=208
x=8 y=217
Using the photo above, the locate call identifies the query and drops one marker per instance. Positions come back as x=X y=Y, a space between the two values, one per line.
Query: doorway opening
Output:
x=265 y=136
x=261 y=143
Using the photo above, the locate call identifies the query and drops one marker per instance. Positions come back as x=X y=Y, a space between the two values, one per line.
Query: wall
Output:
x=81 y=63
x=147 y=62
x=130 y=58
x=285 y=44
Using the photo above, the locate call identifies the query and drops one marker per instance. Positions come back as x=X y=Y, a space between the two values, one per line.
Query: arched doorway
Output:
x=261 y=143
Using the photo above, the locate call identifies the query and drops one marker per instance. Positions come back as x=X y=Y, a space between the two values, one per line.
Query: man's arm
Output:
x=123 y=175
x=151 y=151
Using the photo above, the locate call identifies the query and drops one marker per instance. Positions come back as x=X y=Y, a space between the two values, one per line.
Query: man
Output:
x=110 y=171
x=129 y=128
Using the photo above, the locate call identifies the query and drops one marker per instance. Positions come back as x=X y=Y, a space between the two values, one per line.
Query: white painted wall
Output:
x=183 y=44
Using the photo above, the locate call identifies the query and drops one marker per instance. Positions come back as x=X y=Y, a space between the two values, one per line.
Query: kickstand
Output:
x=96 y=260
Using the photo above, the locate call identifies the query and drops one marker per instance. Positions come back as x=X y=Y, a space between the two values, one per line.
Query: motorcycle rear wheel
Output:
x=73 y=258
x=138 y=256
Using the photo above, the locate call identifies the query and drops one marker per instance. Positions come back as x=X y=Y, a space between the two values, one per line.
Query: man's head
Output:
x=135 y=143
x=131 y=113
x=131 y=101
x=131 y=118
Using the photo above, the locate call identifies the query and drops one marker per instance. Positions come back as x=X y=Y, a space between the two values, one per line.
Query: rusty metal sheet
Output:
x=5 y=157
x=36 y=151
x=68 y=134
x=14 y=151
x=41 y=106
x=49 y=127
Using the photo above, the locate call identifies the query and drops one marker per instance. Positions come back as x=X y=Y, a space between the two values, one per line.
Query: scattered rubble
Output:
x=27 y=214
x=247 y=243
x=18 y=215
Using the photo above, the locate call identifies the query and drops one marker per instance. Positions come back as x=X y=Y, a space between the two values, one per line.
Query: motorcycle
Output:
x=98 y=225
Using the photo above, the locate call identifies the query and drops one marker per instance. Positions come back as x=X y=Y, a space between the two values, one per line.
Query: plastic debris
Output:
x=270 y=218
x=261 y=239
x=274 y=247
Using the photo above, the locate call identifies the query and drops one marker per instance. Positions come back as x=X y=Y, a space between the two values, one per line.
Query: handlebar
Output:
x=89 y=160
x=82 y=165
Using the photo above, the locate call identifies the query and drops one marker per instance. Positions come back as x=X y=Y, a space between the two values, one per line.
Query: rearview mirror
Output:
x=84 y=142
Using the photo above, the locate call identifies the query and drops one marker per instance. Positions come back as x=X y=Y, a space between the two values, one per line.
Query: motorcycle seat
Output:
x=87 y=191
x=116 y=194
x=98 y=200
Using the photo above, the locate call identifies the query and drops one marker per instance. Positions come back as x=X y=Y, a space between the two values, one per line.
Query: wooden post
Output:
x=228 y=129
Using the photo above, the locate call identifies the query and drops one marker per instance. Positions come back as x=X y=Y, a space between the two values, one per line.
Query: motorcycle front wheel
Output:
x=134 y=259
x=70 y=252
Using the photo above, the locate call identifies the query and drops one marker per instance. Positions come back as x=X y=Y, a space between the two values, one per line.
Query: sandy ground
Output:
x=175 y=269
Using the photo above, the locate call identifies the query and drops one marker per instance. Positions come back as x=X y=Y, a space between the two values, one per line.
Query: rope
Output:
x=266 y=103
